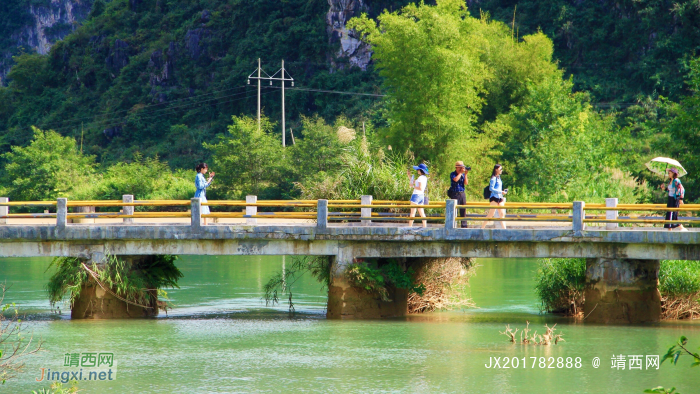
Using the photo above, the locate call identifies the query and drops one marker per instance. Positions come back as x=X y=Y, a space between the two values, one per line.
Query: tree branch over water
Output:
x=14 y=345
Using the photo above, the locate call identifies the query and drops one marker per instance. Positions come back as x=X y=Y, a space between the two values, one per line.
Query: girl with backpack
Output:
x=676 y=192
x=497 y=193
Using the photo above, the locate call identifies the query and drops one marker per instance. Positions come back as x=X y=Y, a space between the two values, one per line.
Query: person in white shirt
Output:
x=418 y=196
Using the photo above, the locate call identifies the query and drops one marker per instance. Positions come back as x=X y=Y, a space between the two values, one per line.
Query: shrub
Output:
x=444 y=282
x=134 y=282
x=679 y=284
x=679 y=277
x=560 y=284
x=377 y=277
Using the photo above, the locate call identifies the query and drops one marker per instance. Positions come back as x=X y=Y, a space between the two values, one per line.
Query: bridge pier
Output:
x=622 y=291
x=98 y=301
x=348 y=302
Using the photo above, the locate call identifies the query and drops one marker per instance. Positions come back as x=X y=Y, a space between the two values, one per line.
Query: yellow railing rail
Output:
x=355 y=210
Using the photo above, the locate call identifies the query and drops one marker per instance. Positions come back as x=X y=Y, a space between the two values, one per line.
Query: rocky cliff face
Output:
x=48 y=23
x=352 y=51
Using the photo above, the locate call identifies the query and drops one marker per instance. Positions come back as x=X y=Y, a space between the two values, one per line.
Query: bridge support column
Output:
x=98 y=302
x=348 y=302
x=622 y=291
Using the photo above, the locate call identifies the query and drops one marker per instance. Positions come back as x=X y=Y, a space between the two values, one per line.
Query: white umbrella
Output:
x=660 y=165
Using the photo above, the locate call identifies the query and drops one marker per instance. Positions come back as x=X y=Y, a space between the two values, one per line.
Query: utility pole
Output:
x=283 y=78
x=258 y=94
x=259 y=78
x=284 y=129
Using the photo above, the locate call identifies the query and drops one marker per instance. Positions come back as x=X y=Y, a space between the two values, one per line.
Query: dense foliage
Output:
x=618 y=51
x=679 y=278
x=160 y=77
x=53 y=166
x=381 y=276
x=161 y=80
x=560 y=284
x=134 y=282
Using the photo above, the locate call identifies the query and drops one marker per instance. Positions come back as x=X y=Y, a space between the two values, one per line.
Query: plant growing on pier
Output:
x=378 y=277
x=15 y=346
x=283 y=283
x=444 y=281
x=560 y=284
x=139 y=283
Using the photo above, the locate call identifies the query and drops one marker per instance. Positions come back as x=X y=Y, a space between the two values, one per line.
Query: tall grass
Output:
x=560 y=285
x=679 y=277
x=369 y=170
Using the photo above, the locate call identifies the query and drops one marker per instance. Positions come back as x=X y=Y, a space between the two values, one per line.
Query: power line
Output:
x=156 y=111
x=335 y=92
x=77 y=120
x=120 y=120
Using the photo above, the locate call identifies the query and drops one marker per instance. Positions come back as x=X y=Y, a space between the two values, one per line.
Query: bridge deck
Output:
x=343 y=241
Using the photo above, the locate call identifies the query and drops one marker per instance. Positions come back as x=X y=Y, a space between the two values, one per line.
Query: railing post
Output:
x=578 y=214
x=128 y=210
x=366 y=212
x=611 y=215
x=322 y=214
x=251 y=210
x=4 y=211
x=196 y=213
x=61 y=213
x=450 y=214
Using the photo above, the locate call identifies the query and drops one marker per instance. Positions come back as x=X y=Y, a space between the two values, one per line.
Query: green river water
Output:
x=220 y=337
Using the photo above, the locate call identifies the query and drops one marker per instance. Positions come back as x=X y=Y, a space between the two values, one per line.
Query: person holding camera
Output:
x=201 y=184
x=497 y=193
x=458 y=180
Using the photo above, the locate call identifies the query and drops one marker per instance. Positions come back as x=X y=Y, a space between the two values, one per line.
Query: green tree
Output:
x=50 y=167
x=247 y=160
x=319 y=149
x=558 y=148
x=681 y=127
x=144 y=178
x=432 y=74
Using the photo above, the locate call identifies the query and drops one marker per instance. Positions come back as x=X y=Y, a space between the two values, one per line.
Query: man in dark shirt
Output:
x=458 y=179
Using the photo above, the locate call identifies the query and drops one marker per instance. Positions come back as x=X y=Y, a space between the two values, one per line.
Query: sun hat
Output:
x=460 y=164
x=422 y=167
x=673 y=170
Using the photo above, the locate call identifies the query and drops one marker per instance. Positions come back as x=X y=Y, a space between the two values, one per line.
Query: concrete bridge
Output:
x=622 y=265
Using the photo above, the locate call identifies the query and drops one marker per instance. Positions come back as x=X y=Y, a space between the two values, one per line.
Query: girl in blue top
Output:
x=497 y=193
x=202 y=186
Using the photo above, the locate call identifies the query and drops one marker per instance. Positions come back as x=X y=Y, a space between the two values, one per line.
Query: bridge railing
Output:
x=364 y=211
x=648 y=214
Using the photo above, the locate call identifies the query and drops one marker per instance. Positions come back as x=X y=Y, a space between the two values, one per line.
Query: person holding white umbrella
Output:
x=674 y=170
x=676 y=192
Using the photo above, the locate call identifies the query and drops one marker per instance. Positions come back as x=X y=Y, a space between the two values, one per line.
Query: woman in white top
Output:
x=418 y=196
